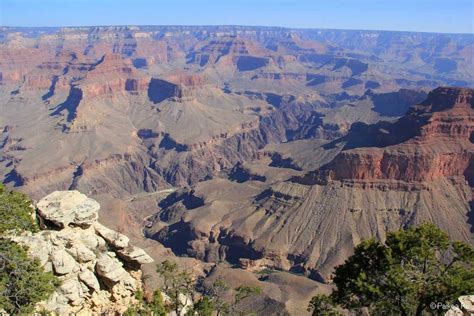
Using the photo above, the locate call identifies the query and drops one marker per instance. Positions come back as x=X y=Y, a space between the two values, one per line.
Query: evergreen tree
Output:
x=23 y=282
x=413 y=269
x=177 y=284
x=16 y=212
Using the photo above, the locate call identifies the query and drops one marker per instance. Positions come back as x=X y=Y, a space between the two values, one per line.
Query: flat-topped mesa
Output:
x=230 y=51
x=177 y=87
x=447 y=113
x=452 y=113
x=193 y=80
x=436 y=141
x=99 y=268
x=444 y=98
x=285 y=76
x=107 y=74
x=113 y=74
x=228 y=46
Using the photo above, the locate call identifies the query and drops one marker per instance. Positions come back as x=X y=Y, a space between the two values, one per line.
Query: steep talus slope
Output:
x=310 y=223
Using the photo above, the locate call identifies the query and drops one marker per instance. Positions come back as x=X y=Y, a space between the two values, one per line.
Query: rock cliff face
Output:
x=418 y=169
x=98 y=267
x=432 y=141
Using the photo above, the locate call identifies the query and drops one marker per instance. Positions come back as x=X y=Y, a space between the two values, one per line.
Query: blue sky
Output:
x=409 y=15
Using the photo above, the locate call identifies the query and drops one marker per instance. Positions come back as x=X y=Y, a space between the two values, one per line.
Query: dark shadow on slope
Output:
x=70 y=105
x=175 y=236
x=237 y=248
x=351 y=82
x=140 y=63
x=147 y=133
x=314 y=80
x=240 y=174
x=169 y=143
x=197 y=58
x=14 y=178
x=357 y=67
x=370 y=84
x=247 y=63
x=279 y=162
x=396 y=103
x=383 y=134
x=308 y=126
x=470 y=216
x=97 y=63
x=187 y=198
x=160 y=90
x=51 y=89
x=75 y=177
x=278 y=100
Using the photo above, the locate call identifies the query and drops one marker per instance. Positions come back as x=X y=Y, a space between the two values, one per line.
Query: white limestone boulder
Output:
x=63 y=262
x=134 y=256
x=72 y=290
x=109 y=269
x=88 y=278
x=81 y=253
x=69 y=207
x=115 y=239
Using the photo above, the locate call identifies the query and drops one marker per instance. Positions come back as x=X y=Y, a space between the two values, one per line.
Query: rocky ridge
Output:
x=433 y=140
x=99 y=269
x=387 y=176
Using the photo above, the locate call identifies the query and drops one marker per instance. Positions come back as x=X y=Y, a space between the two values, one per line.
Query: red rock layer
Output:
x=442 y=147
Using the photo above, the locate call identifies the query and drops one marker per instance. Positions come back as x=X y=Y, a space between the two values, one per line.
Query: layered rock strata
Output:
x=388 y=176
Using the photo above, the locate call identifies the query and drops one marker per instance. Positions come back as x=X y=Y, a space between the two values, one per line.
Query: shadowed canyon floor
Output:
x=237 y=150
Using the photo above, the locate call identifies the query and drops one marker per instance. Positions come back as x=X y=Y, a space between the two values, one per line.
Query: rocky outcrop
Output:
x=99 y=269
x=70 y=207
x=431 y=141
x=462 y=307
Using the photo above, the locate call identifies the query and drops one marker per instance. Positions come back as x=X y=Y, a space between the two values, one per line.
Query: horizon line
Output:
x=233 y=25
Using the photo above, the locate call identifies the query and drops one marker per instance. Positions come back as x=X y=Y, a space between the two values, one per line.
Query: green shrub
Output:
x=323 y=305
x=23 y=282
x=203 y=307
x=155 y=306
x=16 y=213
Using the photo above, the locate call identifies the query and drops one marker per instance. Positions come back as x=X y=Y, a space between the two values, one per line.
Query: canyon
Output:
x=256 y=148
